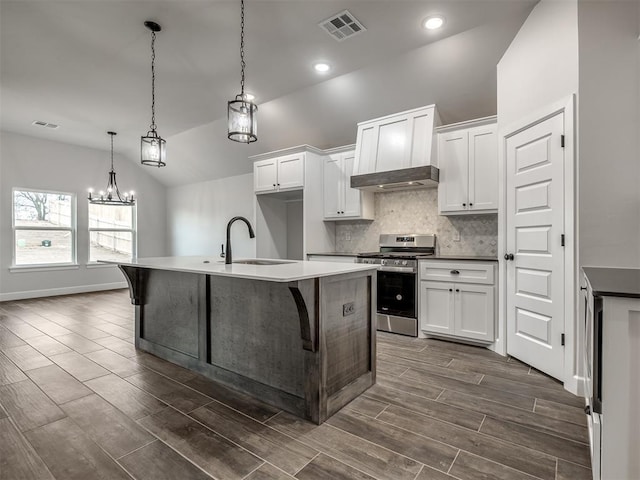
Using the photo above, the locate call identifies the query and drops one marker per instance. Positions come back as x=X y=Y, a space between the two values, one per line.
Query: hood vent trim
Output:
x=394 y=180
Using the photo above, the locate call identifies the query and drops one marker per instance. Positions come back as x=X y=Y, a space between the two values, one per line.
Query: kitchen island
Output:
x=298 y=335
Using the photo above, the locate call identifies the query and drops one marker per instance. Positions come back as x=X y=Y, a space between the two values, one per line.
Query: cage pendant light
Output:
x=241 y=112
x=153 y=148
x=112 y=195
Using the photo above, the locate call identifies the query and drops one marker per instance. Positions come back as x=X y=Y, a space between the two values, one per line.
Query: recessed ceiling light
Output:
x=322 y=67
x=431 y=23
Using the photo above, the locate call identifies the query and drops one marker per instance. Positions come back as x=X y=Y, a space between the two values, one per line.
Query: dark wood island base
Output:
x=306 y=346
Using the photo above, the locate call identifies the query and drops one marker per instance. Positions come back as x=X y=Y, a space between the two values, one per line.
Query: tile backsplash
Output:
x=416 y=211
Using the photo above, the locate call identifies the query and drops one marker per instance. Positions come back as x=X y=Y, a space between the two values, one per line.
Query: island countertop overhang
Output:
x=283 y=272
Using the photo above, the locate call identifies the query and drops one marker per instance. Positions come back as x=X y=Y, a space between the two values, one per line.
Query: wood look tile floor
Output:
x=78 y=401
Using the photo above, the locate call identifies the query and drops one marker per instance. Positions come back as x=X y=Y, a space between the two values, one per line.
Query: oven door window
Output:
x=397 y=294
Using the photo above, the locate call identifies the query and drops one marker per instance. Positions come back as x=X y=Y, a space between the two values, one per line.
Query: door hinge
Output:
x=562 y=240
x=562 y=141
x=562 y=339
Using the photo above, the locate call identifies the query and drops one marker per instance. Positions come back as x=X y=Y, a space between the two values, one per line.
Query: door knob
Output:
x=508 y=256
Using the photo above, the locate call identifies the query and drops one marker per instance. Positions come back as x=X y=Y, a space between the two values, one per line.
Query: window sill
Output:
x=100 y=265
x=41 y=268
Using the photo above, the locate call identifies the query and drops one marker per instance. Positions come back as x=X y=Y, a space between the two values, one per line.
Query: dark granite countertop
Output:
x=463 y=257
x=614 y=282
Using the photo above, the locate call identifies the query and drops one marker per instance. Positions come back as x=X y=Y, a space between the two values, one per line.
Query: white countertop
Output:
x=285 y=272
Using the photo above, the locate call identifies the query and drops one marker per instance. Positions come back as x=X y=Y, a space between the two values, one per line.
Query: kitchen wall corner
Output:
x=416 y=211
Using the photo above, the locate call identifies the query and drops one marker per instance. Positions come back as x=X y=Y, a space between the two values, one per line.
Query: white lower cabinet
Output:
x=457 y=308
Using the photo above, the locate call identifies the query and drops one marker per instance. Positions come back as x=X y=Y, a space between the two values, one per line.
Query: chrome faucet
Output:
x=227 y=258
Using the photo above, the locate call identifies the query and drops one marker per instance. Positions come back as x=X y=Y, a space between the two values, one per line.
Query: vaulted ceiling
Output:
x=85 y=65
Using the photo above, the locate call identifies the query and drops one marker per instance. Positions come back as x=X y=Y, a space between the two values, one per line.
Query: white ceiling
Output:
x=85 y=65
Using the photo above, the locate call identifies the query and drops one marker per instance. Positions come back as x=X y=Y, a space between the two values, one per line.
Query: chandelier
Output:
x=112 y=195
x=153 y=148
x=241 y=112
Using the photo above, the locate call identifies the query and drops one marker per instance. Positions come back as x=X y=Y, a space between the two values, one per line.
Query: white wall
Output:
x=540 y=66
x=197 y=216
x=32 y=163
x=609 y=129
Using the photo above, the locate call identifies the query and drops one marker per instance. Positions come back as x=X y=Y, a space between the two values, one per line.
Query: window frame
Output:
x=72 y=228
x=133 y=230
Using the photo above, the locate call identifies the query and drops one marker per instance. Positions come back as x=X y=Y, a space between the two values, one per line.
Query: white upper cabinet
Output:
x=341 y=202
x=402 y=140
x=279 y=173
x=468 y=159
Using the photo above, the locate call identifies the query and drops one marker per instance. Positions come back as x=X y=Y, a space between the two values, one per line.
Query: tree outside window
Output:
x=44 y=227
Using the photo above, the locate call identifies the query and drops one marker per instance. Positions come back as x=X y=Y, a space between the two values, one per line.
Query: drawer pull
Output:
x=454 y=272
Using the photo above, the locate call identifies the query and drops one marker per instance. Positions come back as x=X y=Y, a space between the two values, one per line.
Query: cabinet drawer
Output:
x=466 y=272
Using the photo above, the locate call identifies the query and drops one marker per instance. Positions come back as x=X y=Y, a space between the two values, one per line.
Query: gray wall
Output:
x=609 y=132
x=197 y=216
x=31 y=163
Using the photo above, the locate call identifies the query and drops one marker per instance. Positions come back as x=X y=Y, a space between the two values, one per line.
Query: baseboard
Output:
x=576 y=385
x=53 y=292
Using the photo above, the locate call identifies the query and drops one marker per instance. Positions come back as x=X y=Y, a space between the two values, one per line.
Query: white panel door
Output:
x=474 y=311
x=453 y=153
x=483 y=168
x=535 y=219
x=436 y=307
x=265 y=176
x=352 y=196
x=291 y=171
x=332 y=186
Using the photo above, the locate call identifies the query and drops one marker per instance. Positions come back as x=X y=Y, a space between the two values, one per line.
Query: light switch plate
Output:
x=456 y=236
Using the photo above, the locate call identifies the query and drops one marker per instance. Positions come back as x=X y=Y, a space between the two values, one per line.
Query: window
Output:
x=112 y=232
x=44 y=228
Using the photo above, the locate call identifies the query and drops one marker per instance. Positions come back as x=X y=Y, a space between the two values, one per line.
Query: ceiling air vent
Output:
x=40 y=123
x=342 y=26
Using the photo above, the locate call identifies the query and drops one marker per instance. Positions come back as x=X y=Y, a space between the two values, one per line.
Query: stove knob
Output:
x=404 y=262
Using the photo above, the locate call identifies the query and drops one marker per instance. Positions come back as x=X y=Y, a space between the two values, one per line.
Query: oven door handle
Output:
x=397 y=269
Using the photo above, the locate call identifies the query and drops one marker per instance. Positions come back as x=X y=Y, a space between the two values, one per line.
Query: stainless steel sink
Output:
x=257 y=261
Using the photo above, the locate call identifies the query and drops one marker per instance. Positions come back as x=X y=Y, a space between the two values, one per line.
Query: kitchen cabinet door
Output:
x=468 y=158
x=332 y=186
x=341 y=202
x=436 y=307
x=353 y=198
x=453 y=154
x=291 y=172
x=474 y=311
x=483 y=168
x=265 y=175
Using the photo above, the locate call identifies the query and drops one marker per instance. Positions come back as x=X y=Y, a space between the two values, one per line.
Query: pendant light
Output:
x=153 y=148
x=112 y=195
x=241 y=112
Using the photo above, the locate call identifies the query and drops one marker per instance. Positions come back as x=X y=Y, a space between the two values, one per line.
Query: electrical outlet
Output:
x=456 y=236
x=348 y=309
x=347 y=236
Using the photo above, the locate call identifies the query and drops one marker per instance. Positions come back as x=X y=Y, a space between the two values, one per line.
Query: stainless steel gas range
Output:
x=397 y=309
